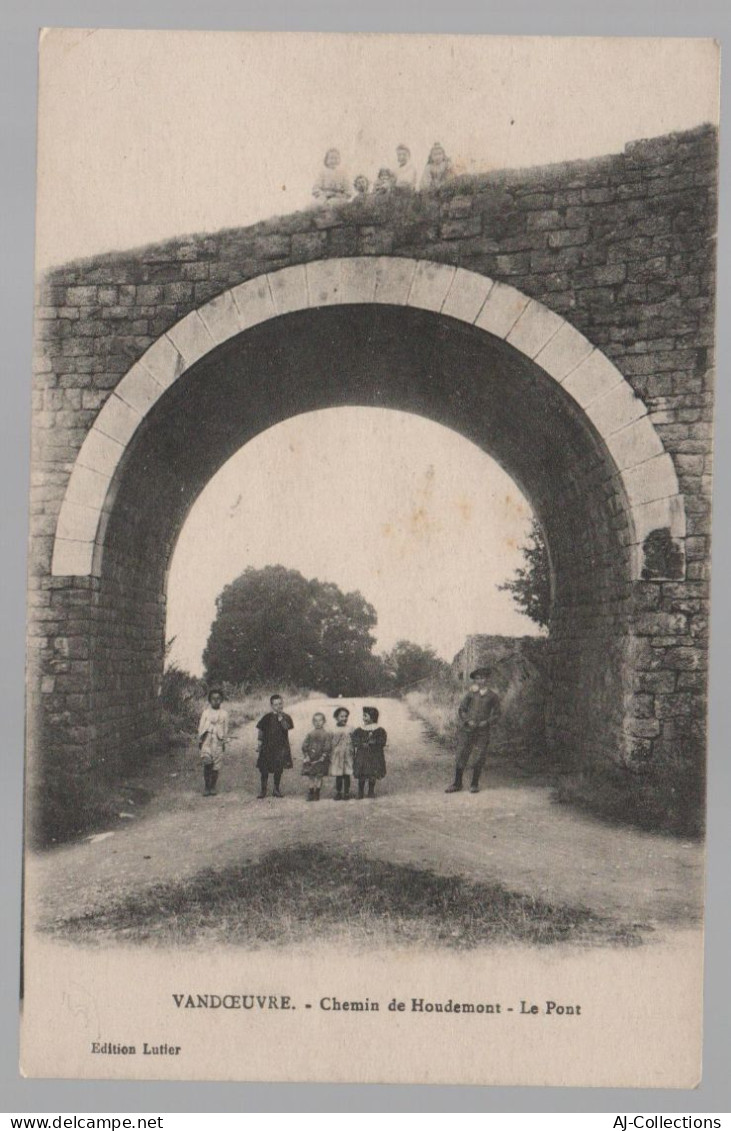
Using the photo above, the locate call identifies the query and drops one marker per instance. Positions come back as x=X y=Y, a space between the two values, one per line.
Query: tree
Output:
x=531 y=586
x=408 y=664
x=273 y=625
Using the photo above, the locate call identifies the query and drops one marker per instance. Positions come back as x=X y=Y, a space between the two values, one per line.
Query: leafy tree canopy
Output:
x=273 y=625
x=408 y=664
x=531 y=585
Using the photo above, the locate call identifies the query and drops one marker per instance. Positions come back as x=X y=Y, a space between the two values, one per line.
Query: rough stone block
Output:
x=654 y=682
x=81 y=296
x=309 y=245
x=272 y=247
x=513 y=264
x=430 y=285
x=535 y=328
x=661 y=624
x=643 y=728
x=376 y=241
x=544 y=221
x=568 y=237
x=610 y=275
x=690 y=465
x=502 y=309
x=459 y=229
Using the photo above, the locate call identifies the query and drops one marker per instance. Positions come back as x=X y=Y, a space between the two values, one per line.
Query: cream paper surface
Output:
x=147 y=136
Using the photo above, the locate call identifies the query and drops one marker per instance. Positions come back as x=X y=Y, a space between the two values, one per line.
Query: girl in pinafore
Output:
x=369 y=760
x=317 y=749
x=212 y=735
x=341 y=762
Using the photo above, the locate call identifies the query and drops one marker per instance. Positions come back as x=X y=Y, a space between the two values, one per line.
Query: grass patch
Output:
x=304 y=893
x=668 y=798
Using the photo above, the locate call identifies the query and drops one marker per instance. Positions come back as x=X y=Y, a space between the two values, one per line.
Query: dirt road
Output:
x=510 y=833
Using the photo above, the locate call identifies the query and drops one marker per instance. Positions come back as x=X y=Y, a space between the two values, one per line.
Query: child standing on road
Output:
x=369 y=759
x=273 y=746
x=212 y=735
x=341 y=763
x=317 y=749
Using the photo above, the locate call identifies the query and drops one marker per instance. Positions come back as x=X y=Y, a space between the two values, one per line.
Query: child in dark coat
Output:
x=369 y=759
x=273 y=746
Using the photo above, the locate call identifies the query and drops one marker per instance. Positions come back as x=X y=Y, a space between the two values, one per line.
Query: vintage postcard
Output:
x=369 y=560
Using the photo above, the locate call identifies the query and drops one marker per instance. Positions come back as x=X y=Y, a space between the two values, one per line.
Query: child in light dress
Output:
x=341 y=762
x=333 y=184
x=212 y=736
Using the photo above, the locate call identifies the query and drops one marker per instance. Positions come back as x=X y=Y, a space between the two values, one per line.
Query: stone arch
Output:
x=643 y=470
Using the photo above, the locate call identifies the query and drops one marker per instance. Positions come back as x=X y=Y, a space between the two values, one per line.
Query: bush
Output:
x=182 y=697
x=667 y=798
x=436 y=705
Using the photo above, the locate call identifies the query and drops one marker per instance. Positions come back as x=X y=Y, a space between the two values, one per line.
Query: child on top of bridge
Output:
x=212 y=735
x=405 y=169
x=333 y=184
x=369 y=759
x=317 y=749
x=438 y=169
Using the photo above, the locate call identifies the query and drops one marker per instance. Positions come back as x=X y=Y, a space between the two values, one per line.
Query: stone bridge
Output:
x=561 y=318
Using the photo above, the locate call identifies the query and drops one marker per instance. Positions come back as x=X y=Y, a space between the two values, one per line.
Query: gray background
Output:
x=19 y=24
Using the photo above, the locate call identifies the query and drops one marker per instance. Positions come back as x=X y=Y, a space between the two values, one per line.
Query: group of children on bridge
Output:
x=344 y=753
x=333 y=185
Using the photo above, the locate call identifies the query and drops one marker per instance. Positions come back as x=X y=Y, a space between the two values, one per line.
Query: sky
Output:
x=417 y=518
x=147 y=135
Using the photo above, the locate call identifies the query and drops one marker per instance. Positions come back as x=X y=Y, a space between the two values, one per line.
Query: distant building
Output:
x=496 y=650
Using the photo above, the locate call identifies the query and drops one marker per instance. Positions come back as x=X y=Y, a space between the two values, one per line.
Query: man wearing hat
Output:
x=476 y=711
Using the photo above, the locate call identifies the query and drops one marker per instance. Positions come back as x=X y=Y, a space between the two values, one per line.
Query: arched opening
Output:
x=416 y=361
x=419 y=520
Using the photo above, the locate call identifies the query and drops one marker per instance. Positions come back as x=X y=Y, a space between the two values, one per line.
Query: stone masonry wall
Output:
x=621 y=246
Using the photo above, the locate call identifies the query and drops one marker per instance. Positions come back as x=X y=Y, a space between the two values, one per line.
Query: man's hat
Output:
x=480 y=671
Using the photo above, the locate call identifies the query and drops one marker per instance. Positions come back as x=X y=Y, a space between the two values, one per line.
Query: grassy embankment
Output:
x=307 y=892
